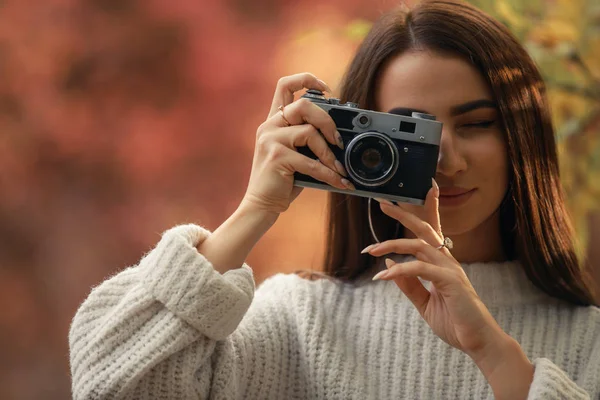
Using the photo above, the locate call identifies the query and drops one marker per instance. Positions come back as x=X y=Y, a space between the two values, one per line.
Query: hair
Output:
x=535 y=224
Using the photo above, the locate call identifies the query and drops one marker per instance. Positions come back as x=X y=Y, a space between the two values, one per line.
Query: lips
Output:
x=453 y=191
x=453 y=196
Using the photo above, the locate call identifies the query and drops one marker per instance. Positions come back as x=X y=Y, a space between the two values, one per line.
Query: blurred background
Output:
x=122 y=118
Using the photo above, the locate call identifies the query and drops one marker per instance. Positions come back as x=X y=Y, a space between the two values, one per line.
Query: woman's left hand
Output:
x=452 y=308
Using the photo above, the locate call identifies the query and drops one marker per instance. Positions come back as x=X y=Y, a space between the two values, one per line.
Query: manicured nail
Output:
x=326 y=86
x=369 y=248
x=381 y=274
x=340 y=168
x=436 y=188
x=384 y=201
x=348 y=184
x=389 y=262
x=338 y=139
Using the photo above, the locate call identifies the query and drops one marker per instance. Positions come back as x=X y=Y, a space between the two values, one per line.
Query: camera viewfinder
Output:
x=407 y=127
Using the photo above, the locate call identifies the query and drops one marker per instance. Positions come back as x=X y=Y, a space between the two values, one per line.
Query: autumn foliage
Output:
x=122 y=118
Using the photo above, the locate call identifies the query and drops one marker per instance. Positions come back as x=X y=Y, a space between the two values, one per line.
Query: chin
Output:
x=456 y=224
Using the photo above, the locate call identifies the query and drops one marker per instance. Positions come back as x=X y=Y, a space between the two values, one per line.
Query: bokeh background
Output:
x=122 y=118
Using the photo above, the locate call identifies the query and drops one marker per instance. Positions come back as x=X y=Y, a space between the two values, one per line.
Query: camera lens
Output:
x=371 y=159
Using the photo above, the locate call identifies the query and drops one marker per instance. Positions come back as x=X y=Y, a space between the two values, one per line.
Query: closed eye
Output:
x=482 y=124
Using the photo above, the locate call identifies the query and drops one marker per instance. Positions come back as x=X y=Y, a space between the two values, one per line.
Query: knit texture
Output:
x=174 y=328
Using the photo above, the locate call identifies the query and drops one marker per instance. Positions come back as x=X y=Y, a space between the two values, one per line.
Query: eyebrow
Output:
x=472 y=105
x=455 y=110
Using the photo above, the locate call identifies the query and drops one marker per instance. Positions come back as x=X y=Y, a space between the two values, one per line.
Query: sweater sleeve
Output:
x=582 y=381
x=552 y=383
x=151 y=330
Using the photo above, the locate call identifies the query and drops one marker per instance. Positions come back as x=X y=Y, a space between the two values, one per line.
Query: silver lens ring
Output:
x=387 y=175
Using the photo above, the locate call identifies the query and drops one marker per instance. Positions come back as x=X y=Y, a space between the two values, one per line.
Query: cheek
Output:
x=488 y=161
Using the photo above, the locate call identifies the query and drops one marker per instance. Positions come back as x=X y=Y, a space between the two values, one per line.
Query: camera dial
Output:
x=362 y=120
x=371 y=159
x=416 y=114
x=315 y=95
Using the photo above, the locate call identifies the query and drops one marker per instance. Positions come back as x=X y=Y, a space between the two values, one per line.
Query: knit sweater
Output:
x=172 y=327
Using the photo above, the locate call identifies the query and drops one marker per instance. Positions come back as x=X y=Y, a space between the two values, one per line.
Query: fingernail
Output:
x=384 y=201
x=369 y=248
x=326 y=86
x=340 y=168
x=338 y=139
x=381 y=274
x=348 y=184
x=436 y=188
x=389 y=262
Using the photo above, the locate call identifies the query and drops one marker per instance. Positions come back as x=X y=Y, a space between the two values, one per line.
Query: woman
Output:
x=514 y=319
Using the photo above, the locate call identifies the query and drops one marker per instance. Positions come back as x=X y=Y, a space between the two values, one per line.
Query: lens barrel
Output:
x=371 y=159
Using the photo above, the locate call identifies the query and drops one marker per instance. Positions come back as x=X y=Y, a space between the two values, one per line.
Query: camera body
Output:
x=386 y=155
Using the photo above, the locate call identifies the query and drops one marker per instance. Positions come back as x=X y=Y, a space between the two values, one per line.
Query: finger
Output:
x=288 y=85
x=432 y=211
x=304 y=111
x=421 y=229
x=307 y=135
x=417 y=247
x=413 y=289
x=312 y=167
x=439 y=276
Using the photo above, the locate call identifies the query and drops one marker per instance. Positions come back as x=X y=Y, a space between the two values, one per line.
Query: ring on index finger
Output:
x=280 y=108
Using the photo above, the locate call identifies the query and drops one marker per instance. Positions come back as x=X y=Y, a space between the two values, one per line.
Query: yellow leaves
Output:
x=555 y=24
x=356 y=30
x=505 y=12
x=593 y=56
x=580 y=174
x=566 y=107
x=553 y=32
x=570 y=10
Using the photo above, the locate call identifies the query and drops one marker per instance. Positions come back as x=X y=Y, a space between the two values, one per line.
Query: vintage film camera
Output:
x=386 y=155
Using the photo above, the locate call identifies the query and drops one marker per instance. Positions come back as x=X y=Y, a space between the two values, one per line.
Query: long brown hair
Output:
x=535 y=225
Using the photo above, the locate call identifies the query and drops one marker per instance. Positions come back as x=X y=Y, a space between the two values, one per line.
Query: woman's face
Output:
x=472 y=165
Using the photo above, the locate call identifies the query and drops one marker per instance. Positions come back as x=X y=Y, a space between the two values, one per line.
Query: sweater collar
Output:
x=496 y=283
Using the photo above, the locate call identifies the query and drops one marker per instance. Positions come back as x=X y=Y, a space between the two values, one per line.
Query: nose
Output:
x=451 y=159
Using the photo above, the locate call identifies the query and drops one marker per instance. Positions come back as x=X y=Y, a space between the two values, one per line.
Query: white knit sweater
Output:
x=174 y=328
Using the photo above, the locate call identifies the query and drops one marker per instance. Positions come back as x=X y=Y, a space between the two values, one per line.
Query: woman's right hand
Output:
x=271 y=186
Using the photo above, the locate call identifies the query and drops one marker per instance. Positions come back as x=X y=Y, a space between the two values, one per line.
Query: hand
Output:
x=301 y=123
x=452 y=308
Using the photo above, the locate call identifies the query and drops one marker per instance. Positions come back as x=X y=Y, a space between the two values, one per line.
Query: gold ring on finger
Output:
x=280 y=108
